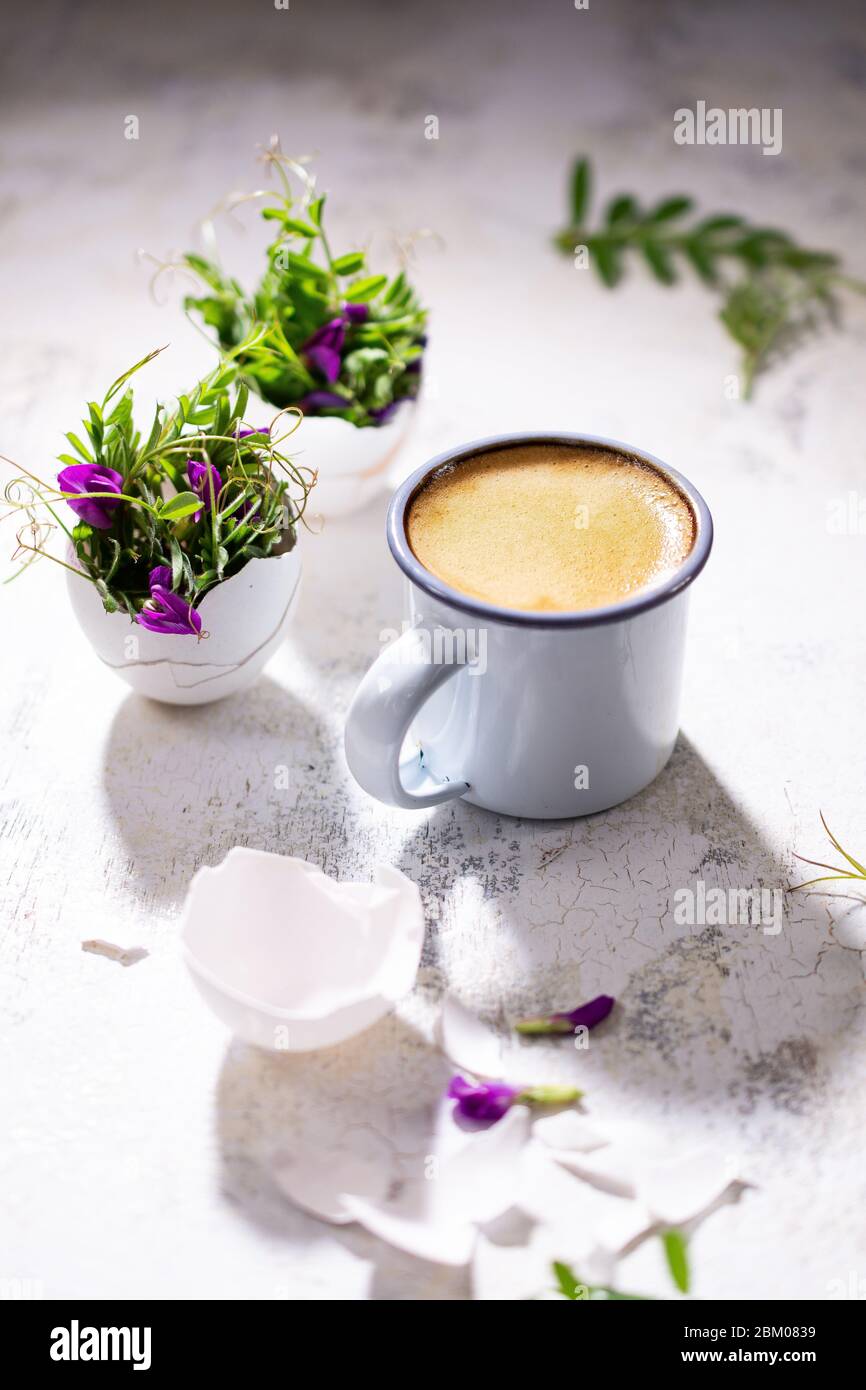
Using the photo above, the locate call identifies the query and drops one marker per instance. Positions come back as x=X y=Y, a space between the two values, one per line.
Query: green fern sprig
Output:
x=780 y=291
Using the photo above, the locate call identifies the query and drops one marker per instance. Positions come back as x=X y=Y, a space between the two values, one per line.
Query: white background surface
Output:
x=136 y=1135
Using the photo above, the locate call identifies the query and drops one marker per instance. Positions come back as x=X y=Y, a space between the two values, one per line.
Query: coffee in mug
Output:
x=548 y=528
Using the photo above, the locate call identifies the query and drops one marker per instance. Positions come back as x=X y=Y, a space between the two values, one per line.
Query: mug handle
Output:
x=396 y=686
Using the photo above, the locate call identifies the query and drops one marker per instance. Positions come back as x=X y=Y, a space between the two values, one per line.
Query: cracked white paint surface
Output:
x=138 y=1138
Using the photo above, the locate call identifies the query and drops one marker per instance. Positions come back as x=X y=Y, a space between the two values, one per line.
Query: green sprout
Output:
x=856 y=871
x=158 y=520
x=373 y=325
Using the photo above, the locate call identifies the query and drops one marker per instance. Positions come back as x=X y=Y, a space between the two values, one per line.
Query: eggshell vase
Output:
x=352 y=464
x=246 y=618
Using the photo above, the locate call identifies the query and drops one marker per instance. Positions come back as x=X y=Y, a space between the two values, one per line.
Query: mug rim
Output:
x=650 y=597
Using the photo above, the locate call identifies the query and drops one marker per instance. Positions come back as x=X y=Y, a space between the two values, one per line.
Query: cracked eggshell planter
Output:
x=246 y=618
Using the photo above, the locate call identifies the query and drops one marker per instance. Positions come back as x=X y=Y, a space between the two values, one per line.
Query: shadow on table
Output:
x=382 y=1086
x=734 y=1009
x=712 y=1017
x=186 y=784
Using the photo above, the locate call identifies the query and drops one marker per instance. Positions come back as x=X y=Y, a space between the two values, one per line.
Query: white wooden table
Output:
x=137 y=1135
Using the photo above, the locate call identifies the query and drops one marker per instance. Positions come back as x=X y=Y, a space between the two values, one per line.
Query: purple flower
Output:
x=584 y=1016
x=384 y=412
x=356 y=313
x=322 y=400
x=200 y=484
x=242 y=434
x=490 y=1100
x=168 y=613
x=159 y=578
x=92 y=477
x=484 y=1100
x=323 y=348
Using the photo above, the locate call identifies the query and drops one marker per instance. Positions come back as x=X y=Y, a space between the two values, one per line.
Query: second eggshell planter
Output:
x=352 y=464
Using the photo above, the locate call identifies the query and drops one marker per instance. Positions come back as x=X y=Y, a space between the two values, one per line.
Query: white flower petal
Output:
x=290 y=959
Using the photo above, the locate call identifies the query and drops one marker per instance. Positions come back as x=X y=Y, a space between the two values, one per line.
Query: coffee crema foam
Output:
x=550 y=527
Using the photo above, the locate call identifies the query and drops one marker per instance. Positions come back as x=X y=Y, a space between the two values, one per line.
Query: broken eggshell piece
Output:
x=246 y=618
x=437 y=1216
x=291 y=960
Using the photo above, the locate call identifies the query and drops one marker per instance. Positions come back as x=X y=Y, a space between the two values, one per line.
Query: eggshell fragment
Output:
x=291 y=960
x=317 y=1180
x=568 y=1131
x=469 y=1043
x=437 y=1218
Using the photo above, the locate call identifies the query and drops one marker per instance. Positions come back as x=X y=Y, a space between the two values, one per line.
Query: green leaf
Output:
x=79 y=447
x=307 y=268
x=108 y=602
x=621 y=209
x=181 y=505
x=350 y=263
x=606 y=259
x=676 y=1254
x=581 y=183
x=701 y=259
x=723 y=222
x=795 y=258
x=294 y=224
x=364 y=290
x=291 y=224
x=670 y=208
x=315 y=210
x=121 y=415
x=176 y=563
x=122 y=380
x=395 y=289
x=753 y=249
x=569 y=1286
x=660 y=262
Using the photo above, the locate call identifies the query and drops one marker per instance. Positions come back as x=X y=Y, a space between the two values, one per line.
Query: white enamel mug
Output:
x=534 y=715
